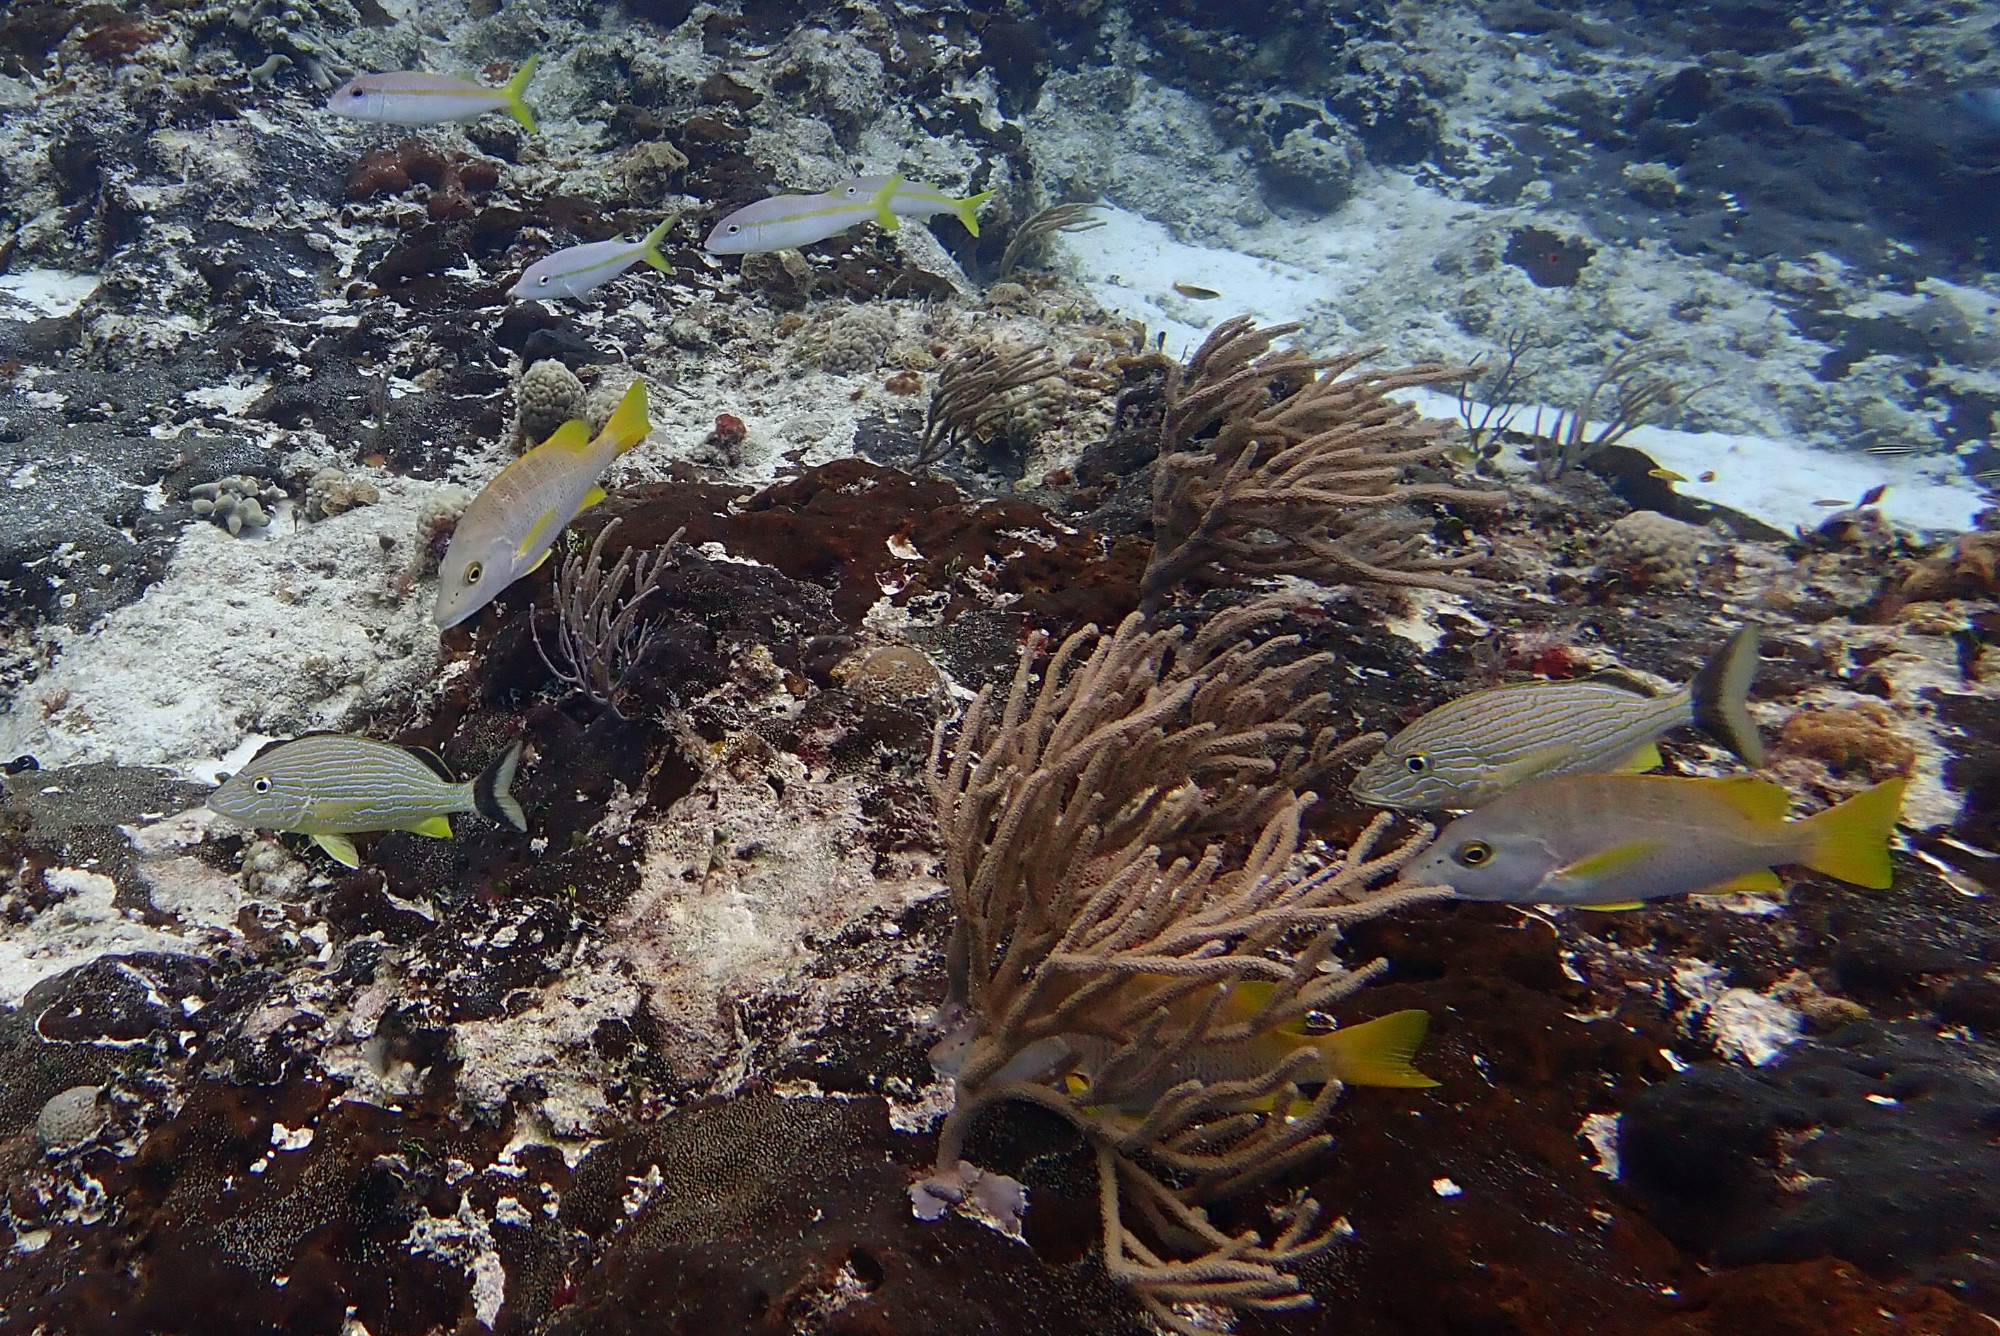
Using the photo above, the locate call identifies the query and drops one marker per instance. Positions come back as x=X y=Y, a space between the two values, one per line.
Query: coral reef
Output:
x=332 y=490
x=856 y=340
x=1272 y=463
x=1075 y=931
x=547 y=395
x=237 y=502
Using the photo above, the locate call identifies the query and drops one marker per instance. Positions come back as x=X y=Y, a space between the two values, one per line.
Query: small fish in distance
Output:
x=907 y=199
x=512 y=525
x=576 y=270
x=1473 y=749
x=417 y=97
x=785 y=222
x=333 y=785
x=1615 y=841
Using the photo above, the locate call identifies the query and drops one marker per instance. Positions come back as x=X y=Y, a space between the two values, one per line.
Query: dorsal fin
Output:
x=1758 y=799
x=1624 y=681
x=433 y=760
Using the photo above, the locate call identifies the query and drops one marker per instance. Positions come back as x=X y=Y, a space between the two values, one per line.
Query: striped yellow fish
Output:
x=1470 y=751
x=907 y=199
x=1615 y=841
x=512 y=525
x=332 y=785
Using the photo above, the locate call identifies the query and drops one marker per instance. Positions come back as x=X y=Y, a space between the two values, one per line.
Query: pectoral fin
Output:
x=339 y=848
x=437 y=827
x=1572 y=883
x=534 y=538
x=1646 y=758
x=540 y=561
x=1524 y=768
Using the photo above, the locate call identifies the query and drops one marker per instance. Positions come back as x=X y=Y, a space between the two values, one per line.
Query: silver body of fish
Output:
x=416 y=97
x=1613 y=840
x=512 y=525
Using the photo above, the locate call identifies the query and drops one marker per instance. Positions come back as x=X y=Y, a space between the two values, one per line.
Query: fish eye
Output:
x=262 y=783
x=1473 y=853
x=473 y=572
x=734 y=228
x=1418 y=764
x=543 y=280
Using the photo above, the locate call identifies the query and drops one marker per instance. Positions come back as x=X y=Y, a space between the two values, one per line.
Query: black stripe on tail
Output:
x=1719 y=691
x=490 y=794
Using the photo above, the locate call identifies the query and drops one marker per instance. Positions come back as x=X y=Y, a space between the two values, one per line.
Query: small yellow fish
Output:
x=333 y=785
x=1665 y=475
x=512 y=525
x=1371 y=1053
x=1614 y=841
x=1196 y=291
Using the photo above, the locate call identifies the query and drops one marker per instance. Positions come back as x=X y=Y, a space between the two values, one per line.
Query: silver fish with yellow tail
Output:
x=785 y=222
x=1615 y=841
x=417 y=97
x=333 y=785
x=512 y=525
x=1470 y=751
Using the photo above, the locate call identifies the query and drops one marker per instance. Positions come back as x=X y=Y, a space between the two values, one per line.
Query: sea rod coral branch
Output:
x=1118 y=954
x=1276 y=463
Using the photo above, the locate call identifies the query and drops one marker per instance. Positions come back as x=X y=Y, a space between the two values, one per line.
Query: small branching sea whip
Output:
x=601 y=636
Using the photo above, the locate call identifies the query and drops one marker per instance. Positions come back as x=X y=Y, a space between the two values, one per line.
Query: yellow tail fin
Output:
x=516 y=86
x=1377 y=1052
x=628 y=426
x=650 y=247
x=1851 y=841
x=967 y=210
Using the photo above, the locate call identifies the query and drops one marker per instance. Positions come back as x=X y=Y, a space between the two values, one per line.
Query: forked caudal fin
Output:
x=1378 y=1052
x=490 y=792
x=629 y=426
x=516 y=86
x=649 y=247
x=1719 y=691
x=1851 y=841
x=967 y=210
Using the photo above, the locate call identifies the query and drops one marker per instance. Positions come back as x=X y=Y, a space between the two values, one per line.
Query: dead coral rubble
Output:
x=1276 y=463
x=1103 y=907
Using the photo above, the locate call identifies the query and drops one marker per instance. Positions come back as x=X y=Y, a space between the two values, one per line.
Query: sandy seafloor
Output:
x=660 y=1065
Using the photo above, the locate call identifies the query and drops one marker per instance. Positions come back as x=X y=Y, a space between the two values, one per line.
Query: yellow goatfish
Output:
x=512 y=525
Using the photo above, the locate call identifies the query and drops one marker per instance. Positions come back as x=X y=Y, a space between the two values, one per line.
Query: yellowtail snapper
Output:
x=1614 y=841
x=580 y=269
x=512 y=525
x=784 y=222
x=1474 y=749
x=907 y=199
x=333 y=785
x=415 y=97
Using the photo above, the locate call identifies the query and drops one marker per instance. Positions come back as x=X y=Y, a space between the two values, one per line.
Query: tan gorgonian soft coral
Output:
x=1276 y=463
x=1125 y=860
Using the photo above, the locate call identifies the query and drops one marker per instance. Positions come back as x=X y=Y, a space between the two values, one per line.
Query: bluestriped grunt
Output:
x=1472 y=750
x=332 y=785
